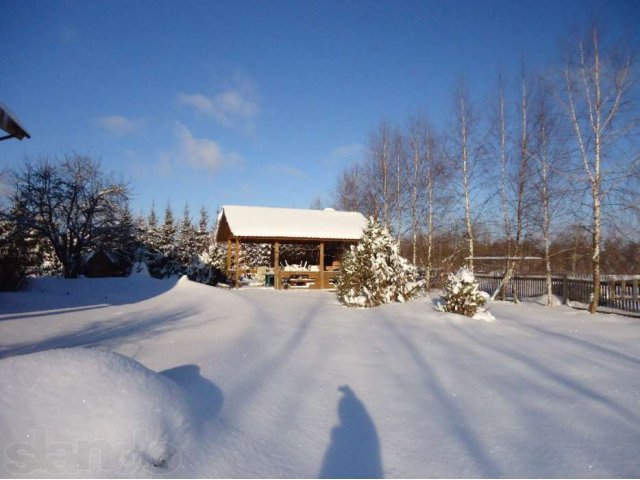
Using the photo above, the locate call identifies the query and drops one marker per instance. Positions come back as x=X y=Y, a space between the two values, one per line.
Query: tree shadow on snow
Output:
x=354 y=451
x=105 y=334
x=461 y=426
x=204 y=397
x=54 y=296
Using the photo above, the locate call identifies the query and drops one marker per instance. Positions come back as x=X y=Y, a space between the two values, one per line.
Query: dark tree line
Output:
x=61 y=210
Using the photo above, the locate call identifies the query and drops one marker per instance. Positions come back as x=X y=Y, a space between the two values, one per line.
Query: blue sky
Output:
x=259 y=103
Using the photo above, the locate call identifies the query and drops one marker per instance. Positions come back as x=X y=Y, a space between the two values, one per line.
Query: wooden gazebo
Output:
x=276 y=226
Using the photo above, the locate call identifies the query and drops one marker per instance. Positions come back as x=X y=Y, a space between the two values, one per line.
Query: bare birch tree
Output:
x=349 y=190
x=399 y=155
x=548 y=154
x=522 y=189
x=415 y=140
x=379 y=173
x=501 y=142
x=434 y=176
x=597 y=82
x=466 y=152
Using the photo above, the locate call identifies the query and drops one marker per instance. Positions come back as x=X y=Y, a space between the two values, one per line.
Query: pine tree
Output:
x=126 y=240
x=374 y=273
x=168 y=234
x=187 y=242
x=141 y=231
x=20 y=254
x=153 y=235
x=153 y=217
x=203 y=238
x=13 y=257
x=203 y=223
x=460 y=294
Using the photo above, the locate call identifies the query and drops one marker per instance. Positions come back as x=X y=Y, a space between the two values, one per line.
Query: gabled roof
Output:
x=288 y=224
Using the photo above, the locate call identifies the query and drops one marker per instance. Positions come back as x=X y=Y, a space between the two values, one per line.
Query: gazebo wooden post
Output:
x=276 y=265
x=237 y=260
x=228 y=257
x=321 y=266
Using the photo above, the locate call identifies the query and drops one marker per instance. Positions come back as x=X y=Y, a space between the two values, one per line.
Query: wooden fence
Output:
x=616 y=293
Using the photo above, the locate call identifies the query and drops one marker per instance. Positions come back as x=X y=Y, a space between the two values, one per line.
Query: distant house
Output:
x=104 y=263
x=327 y=232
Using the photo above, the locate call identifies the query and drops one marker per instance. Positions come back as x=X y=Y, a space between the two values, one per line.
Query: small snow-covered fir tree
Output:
x=207 y=267
x=187 y=247
x=460 y=294
x=168 y=244
x=373 y=272
x=203 y=238
x=152 y=234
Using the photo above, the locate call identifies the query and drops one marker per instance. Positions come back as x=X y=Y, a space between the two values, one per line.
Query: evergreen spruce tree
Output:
x=162 y=260
x=168 y=234
x=153 y=217
x=187 y=241
x=217 y=254
x=374 y=273
x=203 y=223
x=460 y=294
x=152 y=238
x=126 y=243
x=141 y=231
x=203 y=237
x=14 y=257
x=22 y=251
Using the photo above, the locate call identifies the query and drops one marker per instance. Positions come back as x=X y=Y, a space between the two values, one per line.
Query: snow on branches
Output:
x=374 y=273
x=461 y=295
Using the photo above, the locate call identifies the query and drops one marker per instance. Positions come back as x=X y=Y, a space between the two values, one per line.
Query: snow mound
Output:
x=484 y=315
x=91 y=413
x=556 y=301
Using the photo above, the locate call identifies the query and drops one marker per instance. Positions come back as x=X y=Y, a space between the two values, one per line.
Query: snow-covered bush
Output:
x=373 y=272
x=460 y=294
x=206 y=267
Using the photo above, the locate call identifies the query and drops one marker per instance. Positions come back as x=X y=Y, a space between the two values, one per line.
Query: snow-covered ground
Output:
x=263 y=383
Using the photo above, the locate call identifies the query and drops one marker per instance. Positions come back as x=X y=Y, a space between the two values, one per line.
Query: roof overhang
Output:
x=270 y=225
x=10 y=124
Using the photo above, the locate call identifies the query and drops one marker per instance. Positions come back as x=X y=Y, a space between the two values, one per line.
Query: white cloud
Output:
x=203 y=153
x=119 y=125
x=236 y=107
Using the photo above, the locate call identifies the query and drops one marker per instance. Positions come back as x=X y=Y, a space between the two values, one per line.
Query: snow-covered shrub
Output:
x=460 y=294
x=205 y=268
x=373 y=272
x=163 y=266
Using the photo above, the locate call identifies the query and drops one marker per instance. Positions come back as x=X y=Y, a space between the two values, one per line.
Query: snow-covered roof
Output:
x=288 y=223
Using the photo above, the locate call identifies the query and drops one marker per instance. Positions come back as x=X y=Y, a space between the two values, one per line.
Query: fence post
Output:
x=565 y=292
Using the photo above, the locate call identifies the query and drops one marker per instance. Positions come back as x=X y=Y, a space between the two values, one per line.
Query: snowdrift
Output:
x=89 y=412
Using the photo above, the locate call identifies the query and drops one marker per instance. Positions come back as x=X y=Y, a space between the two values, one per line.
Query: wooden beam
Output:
x=322 y=286
x=276 y=265
x=237 y=261
x=228 y=257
